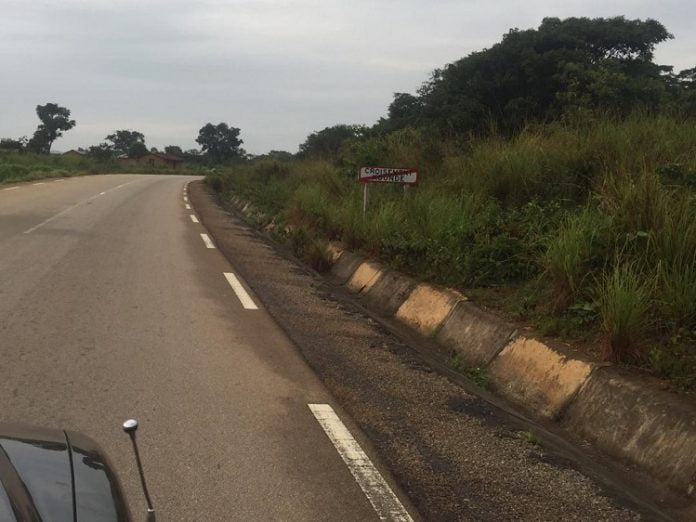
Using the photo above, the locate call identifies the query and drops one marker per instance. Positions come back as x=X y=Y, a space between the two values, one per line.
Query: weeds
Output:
x=624 y=296
x=571 y=252
x=530 y=437
x=588 y=228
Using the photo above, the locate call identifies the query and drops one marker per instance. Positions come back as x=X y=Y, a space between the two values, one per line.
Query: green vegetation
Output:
x=557 y=174
x=530 y=437
x=587 y=229
x=27 y=166
x=23 y=159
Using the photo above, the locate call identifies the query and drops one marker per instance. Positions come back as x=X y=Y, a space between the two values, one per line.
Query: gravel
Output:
x=456 y=457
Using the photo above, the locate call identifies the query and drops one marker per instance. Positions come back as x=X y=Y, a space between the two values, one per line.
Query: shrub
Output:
x=624 y=296
x=572 y=253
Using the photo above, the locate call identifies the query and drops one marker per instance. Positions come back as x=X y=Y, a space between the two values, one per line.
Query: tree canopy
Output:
x=173 y=150
x=11 y=144
x=101 y=152
x=220 y=143
x=327 y=142
x=544 y=73
x=54 y=121
x=128 y=142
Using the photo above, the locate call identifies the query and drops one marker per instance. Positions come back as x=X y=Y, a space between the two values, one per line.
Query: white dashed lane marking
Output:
x=66 y=210
x=383 y=500
x=188 y=207
x=10 y=188
x=193 y=218
x=242 y=295
x=39 y=183
x=207 y=241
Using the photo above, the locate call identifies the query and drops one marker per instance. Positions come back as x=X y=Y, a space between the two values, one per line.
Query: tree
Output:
x=11 y=144
x=327 y=142
x=173 y=150
x=220 y=142
x=54 y=121
x=137 y=150
x=544 y=73
x=124 y=141
x=101 y=152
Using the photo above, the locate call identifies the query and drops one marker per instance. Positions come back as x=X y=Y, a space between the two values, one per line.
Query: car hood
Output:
x=52 y=475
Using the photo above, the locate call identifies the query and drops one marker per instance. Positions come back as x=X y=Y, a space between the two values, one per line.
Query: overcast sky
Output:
x=276 y=69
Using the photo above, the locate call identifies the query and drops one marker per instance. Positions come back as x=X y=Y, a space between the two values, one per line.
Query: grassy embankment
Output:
x=586 y=231
x=25 y=166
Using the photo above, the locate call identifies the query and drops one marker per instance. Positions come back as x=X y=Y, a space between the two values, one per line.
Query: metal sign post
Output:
x=364 y=199
x=402 y=175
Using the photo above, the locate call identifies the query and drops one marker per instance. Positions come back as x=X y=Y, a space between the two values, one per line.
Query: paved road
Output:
x=111 y=307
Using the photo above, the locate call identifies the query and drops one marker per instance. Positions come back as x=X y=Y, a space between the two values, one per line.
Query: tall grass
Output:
x=574 y=250
x=599 y=215
x=624 y=296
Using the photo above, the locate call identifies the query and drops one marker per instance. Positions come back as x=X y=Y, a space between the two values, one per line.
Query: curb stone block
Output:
x=334 y=251
x=476 y=335
x=652 y=428
x=538 y=377
x=364 y=277
x=427 y=307
x=346 y=265
x=389 y=292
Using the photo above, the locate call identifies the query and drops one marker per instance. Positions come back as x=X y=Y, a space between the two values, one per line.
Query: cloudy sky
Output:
x=277 y=69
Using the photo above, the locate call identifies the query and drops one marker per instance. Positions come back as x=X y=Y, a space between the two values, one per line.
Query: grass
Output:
x=624 y=296
x=586 y=230
x=16 y=167
x=530 y=437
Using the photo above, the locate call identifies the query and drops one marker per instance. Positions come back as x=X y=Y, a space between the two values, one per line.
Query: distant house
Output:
x=154 y=159
x=75 y=153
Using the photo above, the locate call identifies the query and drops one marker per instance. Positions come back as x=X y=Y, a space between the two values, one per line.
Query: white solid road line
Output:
x=10 y=188
x=65 y=210
x=193 y=218
x=188 y=207
x=244 y=298
x=383 y=500
x=207 y=241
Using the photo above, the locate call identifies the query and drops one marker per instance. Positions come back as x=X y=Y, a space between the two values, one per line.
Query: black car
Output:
x=52 y=475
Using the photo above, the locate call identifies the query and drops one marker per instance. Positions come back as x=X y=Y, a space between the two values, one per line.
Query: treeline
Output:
x=565 y=70
x=558 y=177
x=219 y=143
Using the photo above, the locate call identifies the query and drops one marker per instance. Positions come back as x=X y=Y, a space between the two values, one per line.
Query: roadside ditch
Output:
x=460 y=452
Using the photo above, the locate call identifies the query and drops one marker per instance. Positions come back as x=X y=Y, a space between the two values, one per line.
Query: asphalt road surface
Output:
x=112 y=305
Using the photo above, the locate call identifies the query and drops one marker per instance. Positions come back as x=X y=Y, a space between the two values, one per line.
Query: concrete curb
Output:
x=345 y=266
x=475 y=335
x=542 y=378
x=427 y=307
x=647 y=427
x=364 y=277
x=650 y=428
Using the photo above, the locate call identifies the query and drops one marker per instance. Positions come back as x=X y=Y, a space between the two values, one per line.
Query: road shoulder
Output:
x=456 y=456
